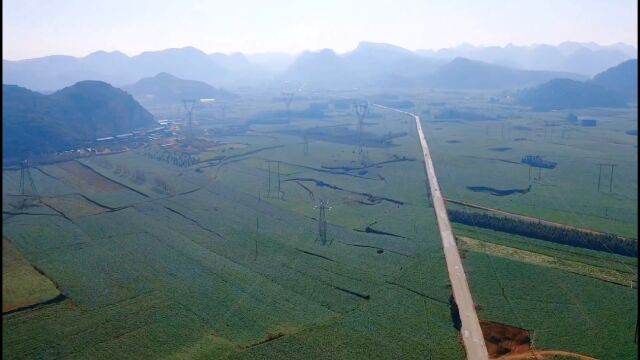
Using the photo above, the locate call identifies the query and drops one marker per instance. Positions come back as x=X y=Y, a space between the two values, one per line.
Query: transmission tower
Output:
x=322 y=222
x=288 y=98
x=277 y=194
x=610 y=177
x=188 y=106
x=223 y=109
x=305 y=145
x=362 y=110
x=28 y=193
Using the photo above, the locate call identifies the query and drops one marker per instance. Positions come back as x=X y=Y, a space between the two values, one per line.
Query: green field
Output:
x=22 y=285
x=203 y=261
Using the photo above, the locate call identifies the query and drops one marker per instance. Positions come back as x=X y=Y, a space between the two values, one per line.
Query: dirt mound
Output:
x=504 y=339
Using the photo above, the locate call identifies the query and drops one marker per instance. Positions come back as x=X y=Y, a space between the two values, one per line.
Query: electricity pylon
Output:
x=322 y=222
x=188 y=106
x=610 y=178
x=288 y=98
x=362 y=110
x=28 y=192
x=277 y=194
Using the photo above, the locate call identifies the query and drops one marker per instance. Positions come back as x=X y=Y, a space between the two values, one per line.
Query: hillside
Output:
x=166 y=88
x=463 y=73
x=322 y=68
x=36 y=123
x=568 y=94
x=621 y=79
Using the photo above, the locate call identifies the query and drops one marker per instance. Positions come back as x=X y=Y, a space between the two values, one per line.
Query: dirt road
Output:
x=470 y=330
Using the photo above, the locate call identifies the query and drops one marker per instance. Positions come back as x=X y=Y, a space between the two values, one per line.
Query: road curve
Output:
x=470 y=330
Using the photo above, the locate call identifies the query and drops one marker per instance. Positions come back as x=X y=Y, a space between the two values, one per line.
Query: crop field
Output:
x=568 y=298
x=207 y=260
x=478 y=159
x=219 y=255
x=22 y=285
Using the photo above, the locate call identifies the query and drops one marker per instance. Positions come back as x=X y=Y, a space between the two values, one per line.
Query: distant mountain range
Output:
x=54 y=72
x=463 y=73
x=370 y=64
x=581 y=58
x=34 y=123
x=165 y=88
x=613 y=87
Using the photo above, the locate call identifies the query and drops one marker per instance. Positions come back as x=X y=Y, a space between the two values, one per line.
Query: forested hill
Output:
x=34 y=123
x=166 y=88
x=621 y=79
x=568 y=94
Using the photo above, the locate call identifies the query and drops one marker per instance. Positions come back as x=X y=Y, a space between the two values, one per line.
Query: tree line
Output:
x=601 y=242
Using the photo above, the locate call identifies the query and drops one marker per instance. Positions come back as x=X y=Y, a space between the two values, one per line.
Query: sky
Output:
x=34 y=28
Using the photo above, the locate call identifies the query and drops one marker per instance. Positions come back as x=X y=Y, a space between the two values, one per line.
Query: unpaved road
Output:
x=545 y=354
x=470 y=330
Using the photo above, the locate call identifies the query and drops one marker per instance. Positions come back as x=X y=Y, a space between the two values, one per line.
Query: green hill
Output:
x=568 y=94
x=621 y=79
x=166 y=88
x=34 y=123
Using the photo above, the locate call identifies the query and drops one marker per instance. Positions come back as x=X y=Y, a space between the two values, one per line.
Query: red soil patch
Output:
x=504 y=339
x=89 y=177
x=506 y=342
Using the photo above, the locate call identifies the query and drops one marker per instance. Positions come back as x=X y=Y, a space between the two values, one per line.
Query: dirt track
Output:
x=544 y=354
x=471 y=332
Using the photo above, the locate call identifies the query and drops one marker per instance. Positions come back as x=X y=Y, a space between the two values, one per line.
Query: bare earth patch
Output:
x=84 y=177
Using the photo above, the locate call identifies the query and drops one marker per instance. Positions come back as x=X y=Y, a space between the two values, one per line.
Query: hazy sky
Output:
x=33 y=28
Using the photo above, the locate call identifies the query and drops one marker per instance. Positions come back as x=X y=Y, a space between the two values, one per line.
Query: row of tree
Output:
x=601 y=242
x=172 y=157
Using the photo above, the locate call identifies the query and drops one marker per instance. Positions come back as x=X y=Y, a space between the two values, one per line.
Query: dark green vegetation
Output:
x=166 y=88
x=621 y=79
x=588 y=240
x=498 y=192
x=34 y=123
x=568 y=94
